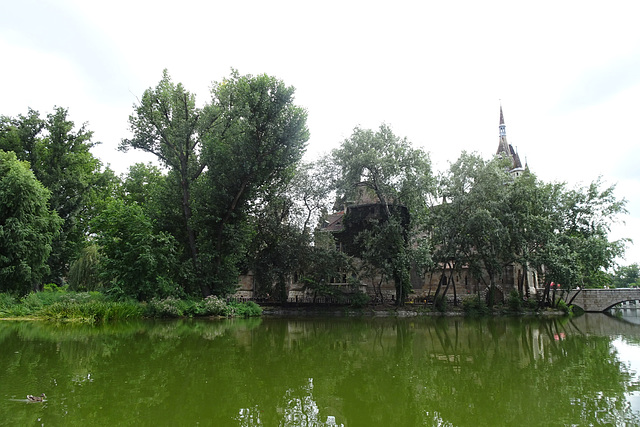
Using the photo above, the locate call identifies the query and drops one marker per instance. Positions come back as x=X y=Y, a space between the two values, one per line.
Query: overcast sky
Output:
x=567 y=73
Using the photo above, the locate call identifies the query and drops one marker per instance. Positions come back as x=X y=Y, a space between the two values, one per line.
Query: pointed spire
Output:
x=503 y=145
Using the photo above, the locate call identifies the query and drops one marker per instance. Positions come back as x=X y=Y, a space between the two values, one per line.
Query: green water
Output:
x=323 y=371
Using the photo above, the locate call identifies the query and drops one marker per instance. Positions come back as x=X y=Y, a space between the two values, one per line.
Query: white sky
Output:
x=566 y=72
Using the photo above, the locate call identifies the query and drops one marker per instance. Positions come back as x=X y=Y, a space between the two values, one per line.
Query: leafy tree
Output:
x=136 y=261
x=530 y=221
x=626 y=276
x=84 y=273
x=277 y=248
x=221 y=158
x=473 y=227
x=581 y=251
x=281 y=249
x=251 y=152
x=399 y=178
x=167 y=124
x=310 y=190
x=60 y=158
x=27 y=226
x=490 y=220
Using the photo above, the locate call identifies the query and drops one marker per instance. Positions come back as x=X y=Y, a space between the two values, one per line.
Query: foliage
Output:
x=323 y=267
x=244 y=309
x=136 y=261
x=626 y=276
x=94 y=307
x=564 y=307
x=469 y=227
x=473 y=305
x=278 y=247
x=61 y=160
x=359 y=299
x=489 y=220
x=214 y=306
x=168 y=124
x=210 y=306
x=166 y=307
x=92 y=311
x=441 y=303
x=379 y=167
x=221 y=158
x=514 y=301
x=27 y=227
x=84 y=273
x=251 y=154
x=580 y=250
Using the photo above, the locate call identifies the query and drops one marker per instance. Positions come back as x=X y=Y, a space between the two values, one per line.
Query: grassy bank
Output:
x=59 y=304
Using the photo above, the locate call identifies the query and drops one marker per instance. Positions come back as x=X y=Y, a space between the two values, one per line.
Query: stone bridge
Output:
x=597 y=300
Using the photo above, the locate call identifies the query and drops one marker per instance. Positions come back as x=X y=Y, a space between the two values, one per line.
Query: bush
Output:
x=214 y=306
x=562 y=306
x=84 y=271
x=92 y=310
x=514 y=302
x=246 y=309
x=440 y=303
x=167 y=307
x=359 y=299
x=474 y=305
x=7 y=301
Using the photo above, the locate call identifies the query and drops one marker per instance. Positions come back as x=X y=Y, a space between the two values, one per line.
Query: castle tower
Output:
x=506 y=149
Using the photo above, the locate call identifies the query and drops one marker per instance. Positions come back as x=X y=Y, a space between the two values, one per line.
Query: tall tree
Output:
x=253 y=148
x=167 y=124
x=60 y=157
x=581 y=250
x=221 y=158
x=399 y=176
x=27 y=227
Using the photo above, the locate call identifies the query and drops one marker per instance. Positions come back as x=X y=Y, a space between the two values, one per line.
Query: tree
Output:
x=27 y=226
x=61 y=160
x=626 y=276
x=581 y=250
x=490 y=220
x=471 y=227
x=167 y=124
x=136 y=261
x=399 y=178
x=84 y=273
x=221 y=158
x=252 y=150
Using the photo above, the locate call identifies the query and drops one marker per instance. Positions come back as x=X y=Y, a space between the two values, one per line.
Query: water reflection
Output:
x=324 y=372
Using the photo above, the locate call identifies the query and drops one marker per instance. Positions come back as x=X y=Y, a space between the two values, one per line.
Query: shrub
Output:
x=246 y=309
x=8 y=304
x=514 y=302
x=167 y=307
x=473 y=305
x=6 y=301
x=562 y=306
x=359 y=299
x=214 y=306
x=92 y=310
x=440 y=303
x=84 y=271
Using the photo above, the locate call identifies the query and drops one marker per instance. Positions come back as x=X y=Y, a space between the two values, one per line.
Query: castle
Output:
x=424 y=287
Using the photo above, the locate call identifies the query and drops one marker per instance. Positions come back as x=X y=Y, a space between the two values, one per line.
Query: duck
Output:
x=32 y=398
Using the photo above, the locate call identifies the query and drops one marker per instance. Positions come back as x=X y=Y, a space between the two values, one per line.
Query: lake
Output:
x=324 y=371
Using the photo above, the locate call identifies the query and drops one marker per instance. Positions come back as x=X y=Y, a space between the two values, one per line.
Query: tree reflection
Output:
x=320 y=372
